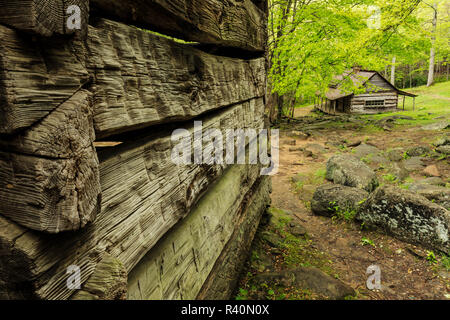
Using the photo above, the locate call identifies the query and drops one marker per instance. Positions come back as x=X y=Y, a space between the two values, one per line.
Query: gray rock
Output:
x=378 y=159
x=296 y=229
x=407 y=216
x=443 y=141
x=308 y=153
x=413 y=164
x=353 y=144
x=330 y=195
x=396 y=154
x=418 y=151
x=352 y=172
x=364 y=150
x=443 y=149
x=436 y=181
x=437 y=126
x=272 y=239
x=398 y=170
x=315 y=148
x=299 y=135
x=437 y=194
x=311 y=279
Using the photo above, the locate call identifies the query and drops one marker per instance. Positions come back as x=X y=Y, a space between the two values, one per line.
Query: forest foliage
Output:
x=311 y=41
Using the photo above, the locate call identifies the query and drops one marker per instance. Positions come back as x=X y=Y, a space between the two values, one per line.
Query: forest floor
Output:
x=338 y=246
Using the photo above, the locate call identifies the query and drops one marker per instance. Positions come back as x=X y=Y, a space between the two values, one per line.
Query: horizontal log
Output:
x=138 y=78
x=44 y=17
x=179 y=265
x=49 y=174
x=144 y=194
x=377 y=95
x=141 y=79
x=228 y=23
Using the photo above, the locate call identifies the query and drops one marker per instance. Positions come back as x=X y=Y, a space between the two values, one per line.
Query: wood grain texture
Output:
x=49 y=176
x=138 y=79
x=141 y=79
x=36 y=76
x=179 y=265
x=224 y=276
x=228 y=23
x=144 y=195
x=42 y=17
x=108 y=282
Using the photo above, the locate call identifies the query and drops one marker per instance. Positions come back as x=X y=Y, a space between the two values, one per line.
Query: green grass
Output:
x=434 y=100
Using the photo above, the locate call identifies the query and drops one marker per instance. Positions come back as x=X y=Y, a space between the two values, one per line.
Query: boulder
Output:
x=352 y=172
x=299 y=135
x=443 y=141
x=437 y=194
x=407 y=216
x=433 y=181
x=398 y=170
x=296 y=229
x=329 y=196
x=431 y=171
x=272 y=239
x=413 y=164
x=315 y=148
x=363 y=150
x=418 y=151
x=437 y=126
x=443 y=149
x=378 y=160
x=396 y=154
x=308 y=278
x=353 y=144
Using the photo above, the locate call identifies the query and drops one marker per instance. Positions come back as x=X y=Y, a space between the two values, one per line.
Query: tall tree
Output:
x=433 y=43
x=393 y=71
x=321 y=38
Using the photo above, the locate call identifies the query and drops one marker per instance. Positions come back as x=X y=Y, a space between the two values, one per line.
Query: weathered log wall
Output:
x=390 y=98
x=178 y=266
x=227 y=23
x=64 y=202
x=43 y=17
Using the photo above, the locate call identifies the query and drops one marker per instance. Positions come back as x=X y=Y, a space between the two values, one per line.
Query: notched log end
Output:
x=49 y=176
x=46 y=18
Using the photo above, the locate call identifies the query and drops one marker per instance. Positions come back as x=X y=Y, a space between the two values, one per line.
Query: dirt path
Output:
x=405 y=271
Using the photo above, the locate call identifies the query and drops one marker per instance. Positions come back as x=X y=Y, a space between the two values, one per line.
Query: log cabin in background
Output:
x=373 y=94
x=86 y=177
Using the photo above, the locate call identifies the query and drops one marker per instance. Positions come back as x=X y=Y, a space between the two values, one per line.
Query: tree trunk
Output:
x=432 y=50
x=410 y=76
x=393 y=71
x=279 y=101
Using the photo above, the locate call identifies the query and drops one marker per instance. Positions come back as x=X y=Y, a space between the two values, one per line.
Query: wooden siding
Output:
x=358 y=102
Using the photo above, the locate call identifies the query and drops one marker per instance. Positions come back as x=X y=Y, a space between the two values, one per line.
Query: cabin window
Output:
x=375 y=103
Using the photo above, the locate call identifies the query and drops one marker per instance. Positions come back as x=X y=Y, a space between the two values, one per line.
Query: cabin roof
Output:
x=359 y=78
